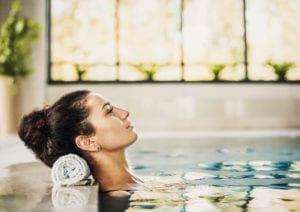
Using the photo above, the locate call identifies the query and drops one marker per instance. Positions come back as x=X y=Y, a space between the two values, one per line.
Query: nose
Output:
x=123 y=114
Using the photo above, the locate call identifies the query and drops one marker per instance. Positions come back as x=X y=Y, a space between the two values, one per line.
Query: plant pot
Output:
x=10 y=107
x=281 y=76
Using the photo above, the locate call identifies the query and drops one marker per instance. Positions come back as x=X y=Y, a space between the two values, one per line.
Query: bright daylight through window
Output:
x=174 y=40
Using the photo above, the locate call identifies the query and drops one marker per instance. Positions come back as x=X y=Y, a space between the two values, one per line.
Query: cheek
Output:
x=114 y=140
x=114 y=136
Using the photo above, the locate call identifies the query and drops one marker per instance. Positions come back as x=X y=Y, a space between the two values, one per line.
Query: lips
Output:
x=129 y=125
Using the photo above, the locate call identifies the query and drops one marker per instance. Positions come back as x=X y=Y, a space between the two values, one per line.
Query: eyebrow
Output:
x=105 y=104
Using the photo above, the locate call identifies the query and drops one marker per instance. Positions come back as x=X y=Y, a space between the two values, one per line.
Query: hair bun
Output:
x=34 y=130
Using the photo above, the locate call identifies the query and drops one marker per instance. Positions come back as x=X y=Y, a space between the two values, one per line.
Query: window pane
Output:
x=169 y=72
x=137 y=40
x=101 y=73
x=213 y=34
x=63 y=72
x=273 y=34
x=82 y=32
x=149 y=34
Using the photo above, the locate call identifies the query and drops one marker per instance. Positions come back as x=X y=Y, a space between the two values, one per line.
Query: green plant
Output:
x=80 y=71
x=16 y=35
x=148 y=70
x=280 y=69
x=216 y=70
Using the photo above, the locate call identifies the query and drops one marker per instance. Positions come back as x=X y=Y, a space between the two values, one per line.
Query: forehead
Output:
x=95 y=99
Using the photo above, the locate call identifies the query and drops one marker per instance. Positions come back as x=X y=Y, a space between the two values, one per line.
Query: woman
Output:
x=86 y=124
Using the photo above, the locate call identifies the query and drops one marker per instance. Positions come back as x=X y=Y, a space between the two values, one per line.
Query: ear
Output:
x=83 y=142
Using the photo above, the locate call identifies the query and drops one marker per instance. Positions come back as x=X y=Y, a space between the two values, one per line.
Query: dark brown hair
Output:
x=50 y=132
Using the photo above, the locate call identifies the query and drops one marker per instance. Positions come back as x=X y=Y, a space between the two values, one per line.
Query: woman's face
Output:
x=112 y=129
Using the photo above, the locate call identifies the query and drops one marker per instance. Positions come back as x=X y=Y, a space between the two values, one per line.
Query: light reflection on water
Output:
x=228 y=186
x=216 y=198
x=251 y=177
x=210 y=175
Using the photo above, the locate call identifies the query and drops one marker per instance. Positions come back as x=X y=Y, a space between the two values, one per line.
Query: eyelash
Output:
x=110 y=110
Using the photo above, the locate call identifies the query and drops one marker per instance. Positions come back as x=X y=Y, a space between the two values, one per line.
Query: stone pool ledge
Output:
x=13 y=151
x=25 y=184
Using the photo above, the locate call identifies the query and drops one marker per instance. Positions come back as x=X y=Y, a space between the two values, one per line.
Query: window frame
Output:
x=182 y=65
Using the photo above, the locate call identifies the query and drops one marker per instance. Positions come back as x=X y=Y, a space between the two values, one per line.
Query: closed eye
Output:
x=110 y=110
x=107 y=108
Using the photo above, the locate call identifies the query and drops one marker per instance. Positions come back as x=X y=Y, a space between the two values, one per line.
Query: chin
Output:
x=135 y=137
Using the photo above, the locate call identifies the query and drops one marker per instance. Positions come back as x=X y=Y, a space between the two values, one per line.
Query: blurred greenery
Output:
x=16 y=35
x=147 y=70
x=216 y=70
x=81 y=70
x=280 y=69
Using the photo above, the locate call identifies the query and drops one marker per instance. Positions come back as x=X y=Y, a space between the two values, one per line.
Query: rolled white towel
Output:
x=71 y=170
x=64 y=197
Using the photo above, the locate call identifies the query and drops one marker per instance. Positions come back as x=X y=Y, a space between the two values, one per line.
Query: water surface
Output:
x=246 y=174
x=224 y=174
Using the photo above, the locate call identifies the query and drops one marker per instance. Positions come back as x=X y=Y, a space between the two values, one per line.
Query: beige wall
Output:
x=202 y=106
x=168 y=107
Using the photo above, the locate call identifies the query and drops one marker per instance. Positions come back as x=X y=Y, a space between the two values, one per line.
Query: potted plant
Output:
x=80 y=70
x=216 y=70
x=16 y=34
x=280 y=69
x=147 y=70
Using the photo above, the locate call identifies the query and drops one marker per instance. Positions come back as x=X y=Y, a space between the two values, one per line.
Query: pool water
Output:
x=247 y=174
x=213 y=174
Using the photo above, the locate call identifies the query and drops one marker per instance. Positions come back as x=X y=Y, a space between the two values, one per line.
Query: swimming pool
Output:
x=199 y=174
x=223 y=174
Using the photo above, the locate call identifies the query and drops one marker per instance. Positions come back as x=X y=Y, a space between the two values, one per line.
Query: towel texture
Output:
x=64 y=197
x=71 y=170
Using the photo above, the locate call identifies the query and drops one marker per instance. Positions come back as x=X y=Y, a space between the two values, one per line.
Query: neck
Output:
x=111 y=171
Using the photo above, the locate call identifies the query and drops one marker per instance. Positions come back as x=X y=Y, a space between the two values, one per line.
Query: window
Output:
x=273 y=34
x=173 y=40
